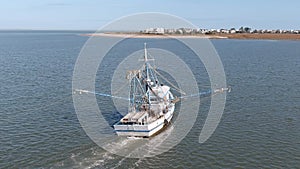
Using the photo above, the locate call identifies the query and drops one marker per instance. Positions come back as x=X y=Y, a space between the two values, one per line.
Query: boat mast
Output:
x=148 y=80
x=146 y=62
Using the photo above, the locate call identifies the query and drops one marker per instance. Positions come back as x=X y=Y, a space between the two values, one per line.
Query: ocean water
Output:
x=39 y=127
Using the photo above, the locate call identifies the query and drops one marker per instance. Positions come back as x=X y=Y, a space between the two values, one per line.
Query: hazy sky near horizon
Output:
x=92 y=14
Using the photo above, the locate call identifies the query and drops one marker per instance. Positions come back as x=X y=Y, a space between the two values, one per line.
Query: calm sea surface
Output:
x=260 y=127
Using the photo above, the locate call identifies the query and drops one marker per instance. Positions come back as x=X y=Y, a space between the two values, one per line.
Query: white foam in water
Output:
x=94 y=157
x=96 y=164
x=134 y=138
x=153 y=143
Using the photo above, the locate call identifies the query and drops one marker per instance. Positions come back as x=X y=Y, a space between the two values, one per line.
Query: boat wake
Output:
x=96 y=157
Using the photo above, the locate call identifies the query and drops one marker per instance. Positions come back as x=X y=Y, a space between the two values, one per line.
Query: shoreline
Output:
x=265 y=36
x=157 y=36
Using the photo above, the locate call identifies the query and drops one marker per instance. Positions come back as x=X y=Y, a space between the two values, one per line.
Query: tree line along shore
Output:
x=267 y=36
x=232 y=33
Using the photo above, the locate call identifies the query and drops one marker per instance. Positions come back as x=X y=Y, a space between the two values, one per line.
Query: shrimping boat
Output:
x=151 y=104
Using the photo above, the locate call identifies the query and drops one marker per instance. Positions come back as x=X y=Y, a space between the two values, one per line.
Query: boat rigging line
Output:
x=205 y=93
x=80 y=91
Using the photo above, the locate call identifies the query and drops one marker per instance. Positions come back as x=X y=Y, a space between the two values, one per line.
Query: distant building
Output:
x=155 y=31
x=160 y=31
x=232 y=30
x=224 y=31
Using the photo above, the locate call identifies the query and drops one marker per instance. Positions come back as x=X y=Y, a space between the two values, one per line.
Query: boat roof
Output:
x=134 y=116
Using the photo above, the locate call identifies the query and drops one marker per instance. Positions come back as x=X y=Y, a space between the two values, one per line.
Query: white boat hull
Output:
x=146 y=130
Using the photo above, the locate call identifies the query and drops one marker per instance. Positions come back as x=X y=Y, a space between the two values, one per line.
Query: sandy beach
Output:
x=267 y=36
x=139 y=35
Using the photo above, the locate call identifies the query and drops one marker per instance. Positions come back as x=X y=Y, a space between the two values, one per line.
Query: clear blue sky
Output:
x=92 y=14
